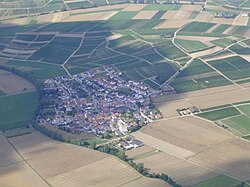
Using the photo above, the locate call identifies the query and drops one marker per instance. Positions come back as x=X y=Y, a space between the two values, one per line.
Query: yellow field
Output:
x=231 y=158
x=187 y=135
x=7 y=154
x=63 y=164
x=20 y=174
x=182 y=171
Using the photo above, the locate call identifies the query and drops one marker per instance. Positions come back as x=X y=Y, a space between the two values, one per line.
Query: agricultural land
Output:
x=162 y=87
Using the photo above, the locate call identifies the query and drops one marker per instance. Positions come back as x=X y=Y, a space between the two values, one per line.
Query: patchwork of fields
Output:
x=45 y=166
x=197 y=59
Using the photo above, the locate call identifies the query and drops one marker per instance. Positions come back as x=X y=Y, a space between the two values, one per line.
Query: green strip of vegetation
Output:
x=220 y=180
x=17 y=110
x=220 y=114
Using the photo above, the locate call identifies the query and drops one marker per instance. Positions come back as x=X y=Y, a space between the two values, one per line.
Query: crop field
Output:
x=14 y=106
x=223 y=42
x=233 y=67
x=218 y=114
x=240 y=49
x=198 y=27
x=38 y=71
x=232 y=163
x=12 y=84
x=76 y=166
x=199 y=83
x=198 y=76
x=191 y=46
x=219 y=180
x=165 y=163
x=162 y=7
x=138 y=40
x=183 y=134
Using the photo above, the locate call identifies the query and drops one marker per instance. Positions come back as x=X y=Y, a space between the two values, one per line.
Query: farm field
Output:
x=12 y=84
x=191 y=46
x=76 y=166
x=14 y=106
x=183 y=133
x=200 y=60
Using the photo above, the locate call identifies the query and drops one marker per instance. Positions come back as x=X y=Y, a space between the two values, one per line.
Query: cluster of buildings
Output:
x=226 y=15
x=130 y=143
x=188 y=111
x=97 y=102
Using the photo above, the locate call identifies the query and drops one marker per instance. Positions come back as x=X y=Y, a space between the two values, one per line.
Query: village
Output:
x=98 y=102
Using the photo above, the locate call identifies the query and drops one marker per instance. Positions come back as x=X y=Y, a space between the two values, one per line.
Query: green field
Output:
x=161 y=7
x=221 y=28
x=199 y=84
x=195 y=68
x=223 y=42
x=240 y=49
x=198 y=27
x=191 y=46
x=219 y=113
x=245 y=109
x=233 y=67
x=36 y=70
x=240 y=123
x=16 y=110
x=219 y=181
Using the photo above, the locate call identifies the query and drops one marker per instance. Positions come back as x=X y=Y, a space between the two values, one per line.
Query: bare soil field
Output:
x=232 y=158
x=180 y=170
x=69 y=165
x=138 y=151
x=134 y=7
x=205 y=17
x=90 y=16
x=189 y=134
x=20 y=174
x=172 y=24
x=7 y=154
x=240 y=20
x=11 y=83
x=206 y=52
x=230 y=30
x=197 y=38
x=154 y=140
x=222 y=98
x=222 y=21
x=190 y=7
x=178 y=14
x=170 y=109
x=145 y=15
